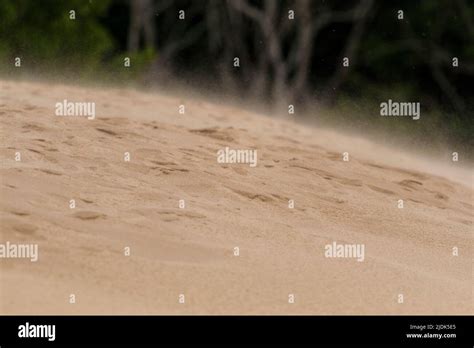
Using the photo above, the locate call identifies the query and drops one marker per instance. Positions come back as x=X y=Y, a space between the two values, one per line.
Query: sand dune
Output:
x=190 y=251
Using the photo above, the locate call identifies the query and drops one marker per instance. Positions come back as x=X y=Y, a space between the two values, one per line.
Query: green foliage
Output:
x=43 y=35
x=139 y=62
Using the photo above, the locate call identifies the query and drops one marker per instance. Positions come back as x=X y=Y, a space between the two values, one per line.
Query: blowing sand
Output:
x=190 y=251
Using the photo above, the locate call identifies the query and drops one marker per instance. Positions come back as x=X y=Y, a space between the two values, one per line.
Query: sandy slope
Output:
x=190 y=251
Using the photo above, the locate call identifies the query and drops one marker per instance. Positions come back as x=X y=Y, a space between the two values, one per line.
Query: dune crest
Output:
x=182 y=214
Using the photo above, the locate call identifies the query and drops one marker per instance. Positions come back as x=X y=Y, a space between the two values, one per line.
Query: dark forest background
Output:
x=282 y=61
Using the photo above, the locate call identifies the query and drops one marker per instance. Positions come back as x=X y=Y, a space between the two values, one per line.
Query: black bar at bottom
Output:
x=288 y=330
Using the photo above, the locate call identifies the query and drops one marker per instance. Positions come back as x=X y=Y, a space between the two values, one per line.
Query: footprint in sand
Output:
x=334 y=156
x=252 y=195
x=33 y=127
x=215 y=133
x=88 y=215
x=410 y=184
x=415 y=200
x=116 y=121
x=283 y=199
x=24 y=228
x=109 y=132
x=381 y=190
x=19 y=213
x=439 y=195
x=169 y=215
x=50 y=172
x=417 y=175
x=349 y=182
x=167 y=170
x=150 y=125
x=164 y=163
x=18 y=226
x=86 y=200
x=35 y=151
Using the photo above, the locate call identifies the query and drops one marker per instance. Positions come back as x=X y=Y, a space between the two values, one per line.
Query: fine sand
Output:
x=190 y=251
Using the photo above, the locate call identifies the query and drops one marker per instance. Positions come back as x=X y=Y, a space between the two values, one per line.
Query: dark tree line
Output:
x=291 y=51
